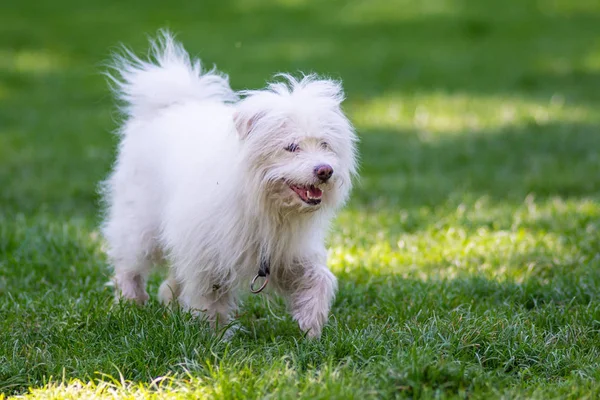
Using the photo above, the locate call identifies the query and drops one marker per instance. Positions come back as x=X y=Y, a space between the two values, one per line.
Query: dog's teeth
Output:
x=311 y=197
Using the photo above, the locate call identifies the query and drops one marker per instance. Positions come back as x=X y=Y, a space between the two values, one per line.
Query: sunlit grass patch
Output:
x=31 y=61
x=445 y=113
x=480 y=238
x=109 y=388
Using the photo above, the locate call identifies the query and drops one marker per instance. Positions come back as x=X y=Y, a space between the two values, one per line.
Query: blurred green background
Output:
x=468 y=256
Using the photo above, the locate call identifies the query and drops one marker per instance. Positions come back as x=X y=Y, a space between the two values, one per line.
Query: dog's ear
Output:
x=245 y=124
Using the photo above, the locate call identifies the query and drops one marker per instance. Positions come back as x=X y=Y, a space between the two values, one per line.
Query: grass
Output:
x=468 y=257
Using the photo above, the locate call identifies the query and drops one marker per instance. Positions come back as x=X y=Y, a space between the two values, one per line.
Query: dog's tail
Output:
x=168 y=77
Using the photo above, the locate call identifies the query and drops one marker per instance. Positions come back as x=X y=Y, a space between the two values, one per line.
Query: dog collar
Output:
x=263 y=272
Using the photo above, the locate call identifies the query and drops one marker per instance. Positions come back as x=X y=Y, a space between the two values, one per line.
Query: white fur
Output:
x=202 y=180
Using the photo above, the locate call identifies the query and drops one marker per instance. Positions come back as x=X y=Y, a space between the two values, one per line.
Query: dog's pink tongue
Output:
x=315 y=191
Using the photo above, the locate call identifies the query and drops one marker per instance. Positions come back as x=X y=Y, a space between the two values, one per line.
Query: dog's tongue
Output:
x=315 y=191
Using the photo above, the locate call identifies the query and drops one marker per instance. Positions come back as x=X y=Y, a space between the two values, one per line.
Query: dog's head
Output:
x=298 y=144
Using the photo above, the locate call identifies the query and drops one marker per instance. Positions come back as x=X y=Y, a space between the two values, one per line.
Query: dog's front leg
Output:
x=310 y=296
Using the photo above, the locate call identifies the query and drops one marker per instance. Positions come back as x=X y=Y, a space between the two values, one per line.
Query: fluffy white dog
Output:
x=223 y=188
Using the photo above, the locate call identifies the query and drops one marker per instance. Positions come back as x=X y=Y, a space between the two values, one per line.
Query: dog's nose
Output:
x=323 y=172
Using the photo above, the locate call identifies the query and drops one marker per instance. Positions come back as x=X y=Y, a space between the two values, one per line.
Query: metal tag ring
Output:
x=261 y=288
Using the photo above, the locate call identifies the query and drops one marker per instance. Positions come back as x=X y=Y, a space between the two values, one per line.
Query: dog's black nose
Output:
x=323 y=172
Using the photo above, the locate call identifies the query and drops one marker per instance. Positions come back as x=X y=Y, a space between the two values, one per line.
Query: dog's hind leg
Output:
x=132 y=266
x=131 y=249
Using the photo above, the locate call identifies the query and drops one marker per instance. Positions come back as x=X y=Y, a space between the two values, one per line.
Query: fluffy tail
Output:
x=168 y=77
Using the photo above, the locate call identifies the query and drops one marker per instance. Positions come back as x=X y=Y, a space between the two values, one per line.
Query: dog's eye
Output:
x=293 y=147
x=325 y=145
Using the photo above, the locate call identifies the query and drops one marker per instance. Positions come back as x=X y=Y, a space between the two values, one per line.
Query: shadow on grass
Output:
x=555 y=159
x=468 y=46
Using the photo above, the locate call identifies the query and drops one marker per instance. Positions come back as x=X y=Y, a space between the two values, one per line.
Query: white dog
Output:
x=224 y=188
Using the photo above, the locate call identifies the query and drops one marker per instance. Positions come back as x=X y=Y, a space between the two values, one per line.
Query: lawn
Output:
x=468 y=257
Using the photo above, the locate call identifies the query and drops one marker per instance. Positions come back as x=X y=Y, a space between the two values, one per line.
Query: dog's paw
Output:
x=139 y=298
x=131 y=288
x=311 y=321
x=313 y=334
x=312 y=331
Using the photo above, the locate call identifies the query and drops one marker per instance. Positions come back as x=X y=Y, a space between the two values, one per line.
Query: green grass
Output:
x=468 y=257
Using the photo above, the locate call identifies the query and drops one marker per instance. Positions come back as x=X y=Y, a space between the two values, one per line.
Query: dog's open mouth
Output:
x=309 y=194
